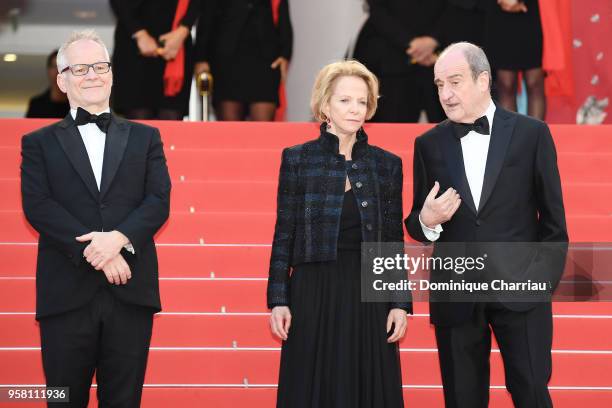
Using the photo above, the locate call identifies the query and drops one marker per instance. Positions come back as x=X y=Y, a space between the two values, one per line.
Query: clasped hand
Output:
x=422 y=50
x=512 y=6
x=172 y=43
x=103 y=254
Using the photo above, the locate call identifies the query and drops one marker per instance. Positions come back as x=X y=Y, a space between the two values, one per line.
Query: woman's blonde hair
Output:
x=326 y=80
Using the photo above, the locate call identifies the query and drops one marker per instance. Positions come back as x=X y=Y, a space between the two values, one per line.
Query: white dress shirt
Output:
x=95 y=140
x=475 y=148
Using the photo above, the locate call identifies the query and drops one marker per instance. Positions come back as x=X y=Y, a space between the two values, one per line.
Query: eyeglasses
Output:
x=83 y=69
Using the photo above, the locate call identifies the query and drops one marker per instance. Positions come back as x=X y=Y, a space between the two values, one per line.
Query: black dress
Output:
x=246 y=76
x=138 y=80
x=240 y=40
x=337 y=355
x=513 y=41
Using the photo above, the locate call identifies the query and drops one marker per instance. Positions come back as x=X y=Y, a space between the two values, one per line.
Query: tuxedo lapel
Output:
x=114 y=148
x=501 y=133
x=70 y=139
x=453 y=156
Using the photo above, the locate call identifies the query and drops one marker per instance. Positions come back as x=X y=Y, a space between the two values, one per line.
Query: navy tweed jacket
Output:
x=309 y=205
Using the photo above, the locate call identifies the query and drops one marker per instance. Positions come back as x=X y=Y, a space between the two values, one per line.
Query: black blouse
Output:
x=349 y=237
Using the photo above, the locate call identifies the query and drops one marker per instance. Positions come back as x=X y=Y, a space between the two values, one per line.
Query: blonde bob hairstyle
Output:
x=326 y=80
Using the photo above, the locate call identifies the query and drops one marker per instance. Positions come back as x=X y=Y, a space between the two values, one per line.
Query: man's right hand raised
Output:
x=437 y=211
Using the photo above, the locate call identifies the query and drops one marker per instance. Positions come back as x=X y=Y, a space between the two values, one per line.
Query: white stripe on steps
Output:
x=557 y=316
x=413 y=387
x=405 y=350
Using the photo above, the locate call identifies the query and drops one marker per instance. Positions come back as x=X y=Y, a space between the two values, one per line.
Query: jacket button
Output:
x=364 y=204
x=358 y=184
x=369 y=227
x=354 y=166
x=478 y=223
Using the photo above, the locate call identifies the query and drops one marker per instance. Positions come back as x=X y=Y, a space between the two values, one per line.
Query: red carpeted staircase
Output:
x=211 y=345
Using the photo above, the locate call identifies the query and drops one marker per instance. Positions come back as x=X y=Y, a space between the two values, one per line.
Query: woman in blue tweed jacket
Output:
x=335 y=192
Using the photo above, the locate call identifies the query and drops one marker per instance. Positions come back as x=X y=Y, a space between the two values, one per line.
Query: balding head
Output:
x=476 y=58
x=463 y=77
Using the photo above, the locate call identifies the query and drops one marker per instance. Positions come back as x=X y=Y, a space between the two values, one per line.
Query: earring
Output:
x=328 y=123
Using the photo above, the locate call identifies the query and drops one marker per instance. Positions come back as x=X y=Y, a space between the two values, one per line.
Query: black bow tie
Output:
x=83 y=117
x=480 y=126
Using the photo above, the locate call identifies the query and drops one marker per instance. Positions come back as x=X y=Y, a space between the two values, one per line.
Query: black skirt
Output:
x=246 y=76
x=337 y=355
x=513 y=41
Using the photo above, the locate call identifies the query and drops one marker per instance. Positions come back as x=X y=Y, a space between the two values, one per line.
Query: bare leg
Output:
x=506 y=84
x=230 y=110
x=262 y=111
x=536 y=102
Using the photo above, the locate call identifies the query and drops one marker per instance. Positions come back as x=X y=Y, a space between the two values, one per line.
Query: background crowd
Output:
x=247 y=46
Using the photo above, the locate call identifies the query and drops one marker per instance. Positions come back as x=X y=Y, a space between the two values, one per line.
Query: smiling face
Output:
x=91 y=91
x=463 y=98
x=347 y=106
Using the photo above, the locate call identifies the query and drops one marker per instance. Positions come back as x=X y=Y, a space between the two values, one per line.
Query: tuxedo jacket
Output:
x=521 y=199
x=61 y=201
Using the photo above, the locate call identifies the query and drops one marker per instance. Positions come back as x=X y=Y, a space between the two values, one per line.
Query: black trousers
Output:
x=525 y=342
x=404 y=96
x=107 y=337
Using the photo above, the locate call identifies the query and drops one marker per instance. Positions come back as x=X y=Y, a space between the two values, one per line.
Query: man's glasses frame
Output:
x=82 y=69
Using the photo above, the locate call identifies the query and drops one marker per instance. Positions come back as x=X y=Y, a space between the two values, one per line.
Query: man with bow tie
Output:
x=499 y=182
x=96 y=188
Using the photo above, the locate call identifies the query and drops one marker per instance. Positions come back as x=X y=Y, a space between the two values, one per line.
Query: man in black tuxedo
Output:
x=500 y=182
x=97 y=189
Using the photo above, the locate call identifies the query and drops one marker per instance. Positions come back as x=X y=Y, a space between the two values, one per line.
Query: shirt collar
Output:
x=73 y=112
x=490 y=114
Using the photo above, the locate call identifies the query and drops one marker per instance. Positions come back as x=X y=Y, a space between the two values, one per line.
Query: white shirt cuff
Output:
x=130 y=249
x=431 y=234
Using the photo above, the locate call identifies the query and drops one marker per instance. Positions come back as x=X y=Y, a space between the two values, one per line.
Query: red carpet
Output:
x=211 y=346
